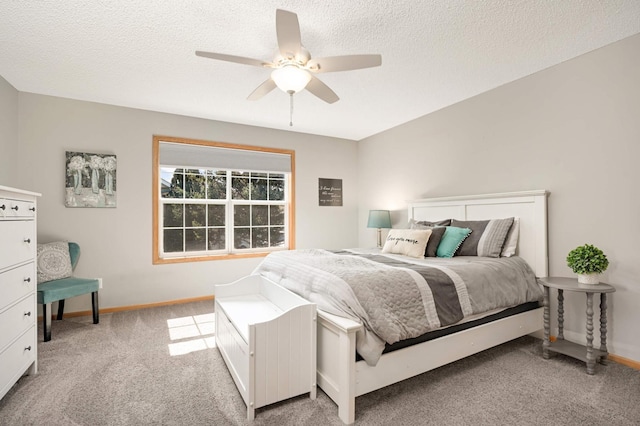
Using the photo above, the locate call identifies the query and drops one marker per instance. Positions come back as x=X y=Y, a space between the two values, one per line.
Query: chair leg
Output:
x=60 y=309
x=94 y=307
x=46 y=321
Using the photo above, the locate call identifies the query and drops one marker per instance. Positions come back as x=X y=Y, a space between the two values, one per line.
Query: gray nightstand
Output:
x=589 y=355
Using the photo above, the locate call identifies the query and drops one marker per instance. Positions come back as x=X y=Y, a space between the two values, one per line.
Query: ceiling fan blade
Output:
x=321 y=90
x=344 y=63
x=233 y=58
x=288 y=33
x=262 y=90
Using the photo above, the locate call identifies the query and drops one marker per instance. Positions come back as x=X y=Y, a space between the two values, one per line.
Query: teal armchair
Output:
x=64 y=288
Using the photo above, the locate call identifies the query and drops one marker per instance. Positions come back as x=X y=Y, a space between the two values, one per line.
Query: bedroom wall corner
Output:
x=9 y=137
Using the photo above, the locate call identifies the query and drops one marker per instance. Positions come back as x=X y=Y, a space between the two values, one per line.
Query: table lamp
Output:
x=379 y=219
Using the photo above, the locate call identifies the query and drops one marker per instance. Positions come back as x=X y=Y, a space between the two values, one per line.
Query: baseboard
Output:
x=134 y=307
x=624 y=361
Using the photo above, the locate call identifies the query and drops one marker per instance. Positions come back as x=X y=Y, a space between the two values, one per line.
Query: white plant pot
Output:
x=589 y=279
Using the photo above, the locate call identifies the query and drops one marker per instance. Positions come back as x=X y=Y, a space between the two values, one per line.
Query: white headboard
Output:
x=529 y=206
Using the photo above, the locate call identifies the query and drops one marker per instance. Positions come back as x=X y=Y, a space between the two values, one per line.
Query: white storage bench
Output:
x=267 y=337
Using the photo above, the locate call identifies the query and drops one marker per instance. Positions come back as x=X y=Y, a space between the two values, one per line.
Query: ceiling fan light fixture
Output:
x=291 y=78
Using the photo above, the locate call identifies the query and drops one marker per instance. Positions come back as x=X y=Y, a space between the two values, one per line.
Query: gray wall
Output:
x=117 y=243
x=8 y=134
x=572 y=129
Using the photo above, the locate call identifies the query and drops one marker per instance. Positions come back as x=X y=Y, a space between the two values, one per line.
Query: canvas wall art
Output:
x=90 y=180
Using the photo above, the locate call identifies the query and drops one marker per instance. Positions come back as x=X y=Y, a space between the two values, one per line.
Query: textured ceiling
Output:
x=140 y=54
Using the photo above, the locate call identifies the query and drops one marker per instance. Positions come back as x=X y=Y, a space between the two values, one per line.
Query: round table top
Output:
x=572 y=284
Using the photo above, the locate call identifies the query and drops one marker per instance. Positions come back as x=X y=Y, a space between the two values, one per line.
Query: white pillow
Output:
x=511 y=242
x=54 y=261
x=408 y=242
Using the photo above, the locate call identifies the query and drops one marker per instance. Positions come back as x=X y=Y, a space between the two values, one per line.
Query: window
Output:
x=219 y=201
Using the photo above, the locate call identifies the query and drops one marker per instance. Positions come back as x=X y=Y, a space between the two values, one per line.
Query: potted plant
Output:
x=588 y=262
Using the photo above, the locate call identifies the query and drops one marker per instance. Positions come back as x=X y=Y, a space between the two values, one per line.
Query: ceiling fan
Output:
x=293 y=67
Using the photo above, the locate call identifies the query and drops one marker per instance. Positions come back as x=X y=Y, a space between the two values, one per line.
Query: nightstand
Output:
x=589 y=354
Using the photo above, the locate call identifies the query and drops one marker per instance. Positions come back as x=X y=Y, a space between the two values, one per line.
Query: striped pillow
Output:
x=511 y=242
x=487 y=237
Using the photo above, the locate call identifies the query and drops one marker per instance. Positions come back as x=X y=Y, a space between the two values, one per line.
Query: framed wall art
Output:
x=90 y=180
x=329 y=192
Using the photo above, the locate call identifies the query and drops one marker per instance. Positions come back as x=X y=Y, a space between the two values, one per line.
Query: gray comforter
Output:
x=396 y=297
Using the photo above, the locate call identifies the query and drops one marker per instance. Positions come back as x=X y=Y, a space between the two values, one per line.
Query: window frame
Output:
x=157 y=203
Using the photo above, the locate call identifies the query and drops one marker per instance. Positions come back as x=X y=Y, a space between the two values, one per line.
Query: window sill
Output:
x=162 y=261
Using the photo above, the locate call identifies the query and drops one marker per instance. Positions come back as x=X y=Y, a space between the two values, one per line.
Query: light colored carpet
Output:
x=121 y=372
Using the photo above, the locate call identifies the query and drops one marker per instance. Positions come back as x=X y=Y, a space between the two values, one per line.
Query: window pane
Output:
x=194 y=215
x=277 y=215
x=174 y=187
x=216 y=215
x=276 y=176
x=216 y=238
x=260 y=237
x=277 y=236
x=194 y=184
x=259 y=215
x=173 y=215
x=173 y=240
x=258 y=189
x=276 y=190
x=217 y=185
x=195 y=239
x=241 y=215
x=240 y=188
x=242 y=238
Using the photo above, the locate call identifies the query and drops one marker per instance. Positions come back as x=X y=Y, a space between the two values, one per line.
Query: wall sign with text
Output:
x=329 y=192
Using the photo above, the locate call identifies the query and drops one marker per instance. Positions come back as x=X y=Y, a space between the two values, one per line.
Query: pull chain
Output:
x=291 y=92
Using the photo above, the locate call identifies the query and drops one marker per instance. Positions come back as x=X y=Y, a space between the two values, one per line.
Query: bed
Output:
x=344 y=375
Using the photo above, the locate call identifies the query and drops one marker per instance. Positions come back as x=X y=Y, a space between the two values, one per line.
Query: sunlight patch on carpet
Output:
x=192 y=333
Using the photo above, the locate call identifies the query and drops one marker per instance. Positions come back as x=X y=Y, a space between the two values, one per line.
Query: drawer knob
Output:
x=27 y=240
x=27 y=280
x=28 y=348
x=2 y=207
x=27 y=314
x=32 y=209
x=14 y=208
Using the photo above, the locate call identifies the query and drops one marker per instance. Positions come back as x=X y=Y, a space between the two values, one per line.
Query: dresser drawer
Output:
x=18 y=242
x=16 y=359
x=17 y=208
x=15 y=320
x=17 y=283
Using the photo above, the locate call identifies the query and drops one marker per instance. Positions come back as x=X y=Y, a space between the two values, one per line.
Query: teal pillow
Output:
x=451 y=240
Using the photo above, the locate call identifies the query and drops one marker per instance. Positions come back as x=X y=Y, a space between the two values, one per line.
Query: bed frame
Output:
x=343 y=379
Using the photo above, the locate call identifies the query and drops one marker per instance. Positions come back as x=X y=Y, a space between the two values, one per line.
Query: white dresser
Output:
x=18 y=283
x=267 y=337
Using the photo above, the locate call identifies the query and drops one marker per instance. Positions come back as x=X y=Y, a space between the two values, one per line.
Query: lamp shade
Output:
x=290 y=78
x=379 y=219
